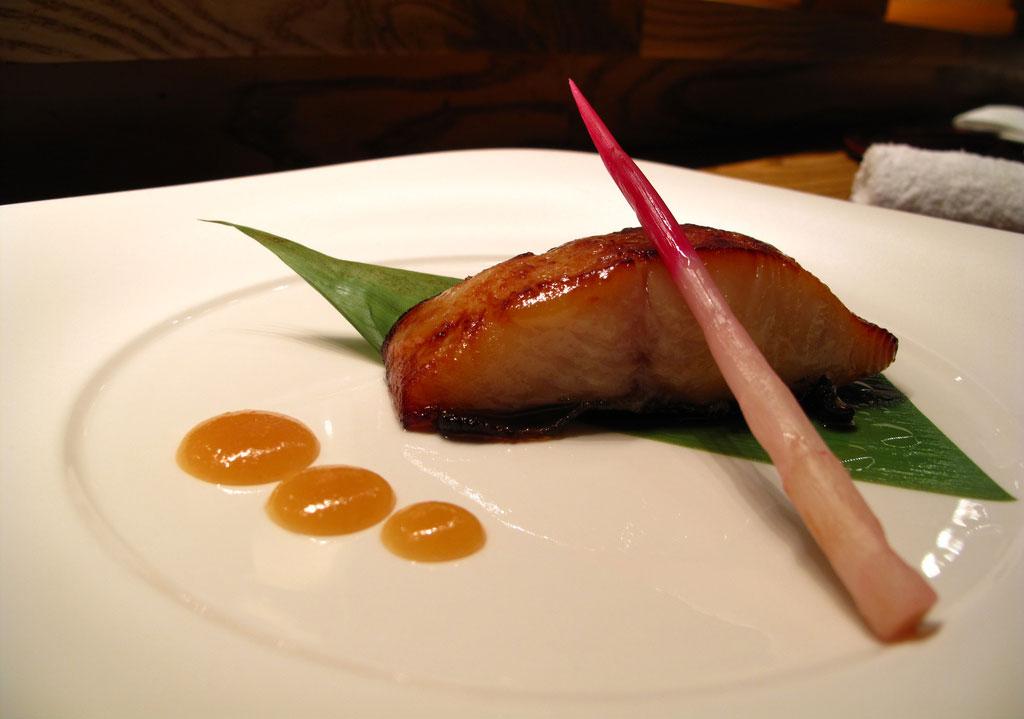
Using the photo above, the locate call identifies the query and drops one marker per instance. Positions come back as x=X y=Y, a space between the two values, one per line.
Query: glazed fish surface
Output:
x=526 y=345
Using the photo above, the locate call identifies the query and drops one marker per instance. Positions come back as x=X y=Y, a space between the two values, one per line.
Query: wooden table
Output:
x=820 y=173
x=102 y=95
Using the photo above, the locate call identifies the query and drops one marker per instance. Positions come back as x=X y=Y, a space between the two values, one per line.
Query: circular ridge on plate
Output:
x=122 y=539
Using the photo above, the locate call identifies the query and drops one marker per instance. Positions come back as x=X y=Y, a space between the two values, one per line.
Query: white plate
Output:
x=621 y=576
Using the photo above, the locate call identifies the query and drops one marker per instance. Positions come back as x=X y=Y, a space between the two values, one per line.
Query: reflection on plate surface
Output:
x=614 y=565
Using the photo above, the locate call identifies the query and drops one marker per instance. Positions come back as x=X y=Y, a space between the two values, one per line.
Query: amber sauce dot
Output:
x=247 y=447
x=433 y=532
x=332 y=499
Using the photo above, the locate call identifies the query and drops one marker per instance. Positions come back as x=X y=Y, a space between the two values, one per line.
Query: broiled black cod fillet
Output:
x=597 y=323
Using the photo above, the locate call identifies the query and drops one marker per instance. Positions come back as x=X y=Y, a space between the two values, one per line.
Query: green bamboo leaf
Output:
x=370 y=297
x=893 y=443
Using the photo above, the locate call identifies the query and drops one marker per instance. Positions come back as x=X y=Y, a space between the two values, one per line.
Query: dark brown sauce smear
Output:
x=247 y=447
x=331 y=500
x=433 y=532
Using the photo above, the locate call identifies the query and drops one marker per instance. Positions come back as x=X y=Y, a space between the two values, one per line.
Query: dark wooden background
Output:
x=102 y=95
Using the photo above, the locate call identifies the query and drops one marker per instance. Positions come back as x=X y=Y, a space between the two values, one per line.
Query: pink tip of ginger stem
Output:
x=890 y=596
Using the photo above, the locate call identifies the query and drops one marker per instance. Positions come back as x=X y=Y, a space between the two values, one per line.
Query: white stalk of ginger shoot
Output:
x=891 y=597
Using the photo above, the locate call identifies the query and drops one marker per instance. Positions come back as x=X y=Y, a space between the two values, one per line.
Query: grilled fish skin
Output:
x=597 y=323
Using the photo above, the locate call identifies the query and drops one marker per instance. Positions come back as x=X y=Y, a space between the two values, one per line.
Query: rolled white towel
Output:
x=953 y=185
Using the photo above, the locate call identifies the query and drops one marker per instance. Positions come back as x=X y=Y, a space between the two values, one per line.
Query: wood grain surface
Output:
x=112 y=94
x=110 y=30
x=829 y=174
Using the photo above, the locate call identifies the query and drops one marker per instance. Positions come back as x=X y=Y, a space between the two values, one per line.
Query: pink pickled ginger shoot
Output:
x=890 y=596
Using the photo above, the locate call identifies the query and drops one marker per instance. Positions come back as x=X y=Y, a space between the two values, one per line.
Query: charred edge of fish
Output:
x=834 y=407
x=553 y=420
x=874 y=391
x=652 y=417
x=391 y=332
x=822 y=402
x=398 y=323
x=535 y=422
